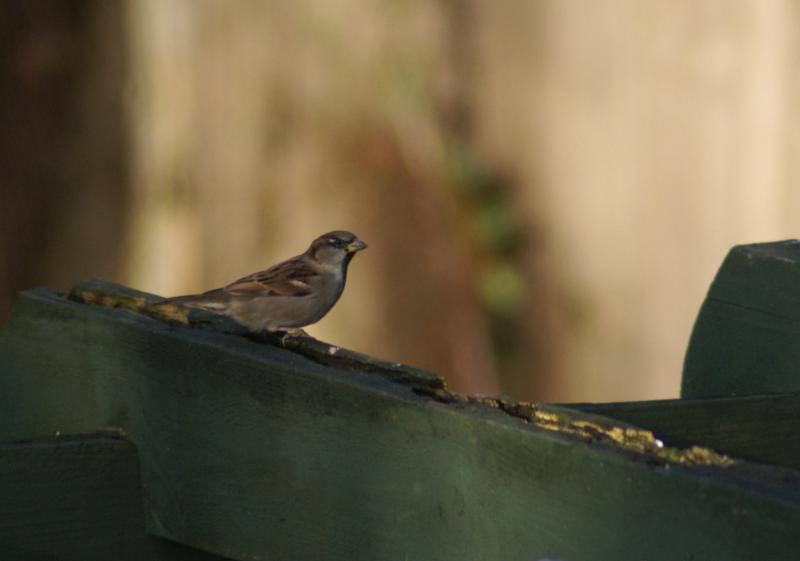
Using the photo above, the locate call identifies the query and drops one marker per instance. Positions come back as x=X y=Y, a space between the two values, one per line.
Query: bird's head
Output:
x=336 y=248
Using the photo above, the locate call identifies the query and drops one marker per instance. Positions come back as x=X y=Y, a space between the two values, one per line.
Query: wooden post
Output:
x=746 y=340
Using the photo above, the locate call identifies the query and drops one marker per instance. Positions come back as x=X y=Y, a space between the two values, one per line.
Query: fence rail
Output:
x=217 y=446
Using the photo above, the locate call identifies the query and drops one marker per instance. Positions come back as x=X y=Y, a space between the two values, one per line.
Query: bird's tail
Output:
x=177 y=299
x=211 y=300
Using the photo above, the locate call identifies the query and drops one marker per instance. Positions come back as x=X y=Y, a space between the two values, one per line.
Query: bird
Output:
x=289 y=295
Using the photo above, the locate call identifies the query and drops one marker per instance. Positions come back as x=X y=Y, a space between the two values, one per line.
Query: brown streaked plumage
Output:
x=290 y=295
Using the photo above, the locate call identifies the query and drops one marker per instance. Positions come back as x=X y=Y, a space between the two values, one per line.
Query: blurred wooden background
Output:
x=547 y=187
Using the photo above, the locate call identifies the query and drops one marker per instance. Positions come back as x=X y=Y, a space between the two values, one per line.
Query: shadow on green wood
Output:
x=77 y=498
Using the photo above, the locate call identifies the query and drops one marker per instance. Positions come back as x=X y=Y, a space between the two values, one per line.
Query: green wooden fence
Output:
x=126 y=435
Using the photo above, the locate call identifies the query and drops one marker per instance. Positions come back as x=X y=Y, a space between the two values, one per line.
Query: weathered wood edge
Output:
x=761 y=428
x=98 y=292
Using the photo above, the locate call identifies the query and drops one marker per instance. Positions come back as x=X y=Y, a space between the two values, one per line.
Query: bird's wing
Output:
x=290 y=278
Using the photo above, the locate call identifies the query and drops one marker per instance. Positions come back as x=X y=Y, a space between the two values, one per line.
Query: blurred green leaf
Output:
x=502 y=289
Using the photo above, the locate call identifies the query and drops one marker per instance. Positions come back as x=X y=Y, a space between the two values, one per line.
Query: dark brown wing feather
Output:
x=290 y=278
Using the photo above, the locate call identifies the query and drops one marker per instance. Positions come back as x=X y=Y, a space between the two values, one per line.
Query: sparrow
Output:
x=287 y=296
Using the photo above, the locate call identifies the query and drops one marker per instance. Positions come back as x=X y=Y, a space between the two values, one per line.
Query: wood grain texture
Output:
x=254 y=452
x=746 y=340
x=77 y=499
x=760 y=428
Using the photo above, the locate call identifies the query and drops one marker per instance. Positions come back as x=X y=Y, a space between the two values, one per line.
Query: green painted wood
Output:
x=760 y=428
x=255 y=452
x=77 y=498
x=111 y=295
x=746 y=340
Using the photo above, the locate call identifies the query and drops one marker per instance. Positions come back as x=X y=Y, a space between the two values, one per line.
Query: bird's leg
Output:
x=296 y=332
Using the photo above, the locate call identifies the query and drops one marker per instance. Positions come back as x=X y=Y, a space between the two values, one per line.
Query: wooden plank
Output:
x=79 y=499
x=254 y=452
x=759 y=428
x=746 y=340
x=76 y=498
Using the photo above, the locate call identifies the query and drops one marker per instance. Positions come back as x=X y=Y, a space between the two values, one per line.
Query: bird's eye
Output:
x=335 y=242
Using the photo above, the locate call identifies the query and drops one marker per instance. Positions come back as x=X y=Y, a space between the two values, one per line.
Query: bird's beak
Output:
x=357 y=245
